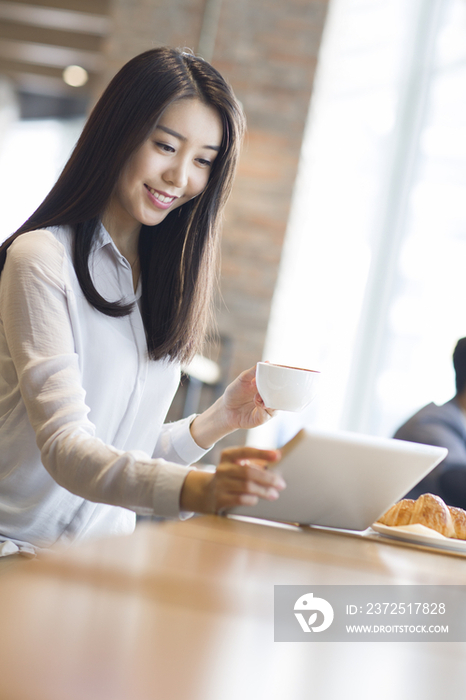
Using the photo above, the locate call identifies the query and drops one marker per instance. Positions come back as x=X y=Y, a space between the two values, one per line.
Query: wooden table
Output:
x=184 y=611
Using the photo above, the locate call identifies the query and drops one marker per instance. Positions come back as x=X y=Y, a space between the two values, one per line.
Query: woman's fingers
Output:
x=243 y=477
x=234 y=454
x=258 y=480
x=253 y=484
x=250 y=465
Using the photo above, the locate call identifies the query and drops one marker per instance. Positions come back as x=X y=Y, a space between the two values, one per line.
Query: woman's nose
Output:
x=177 y=173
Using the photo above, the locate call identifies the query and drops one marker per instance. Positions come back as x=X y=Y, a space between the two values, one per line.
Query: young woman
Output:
x=103 y=292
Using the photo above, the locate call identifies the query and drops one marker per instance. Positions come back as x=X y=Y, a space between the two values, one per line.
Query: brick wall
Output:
x=267 y=49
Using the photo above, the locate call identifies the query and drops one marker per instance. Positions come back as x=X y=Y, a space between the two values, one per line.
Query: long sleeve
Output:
x=44 y=373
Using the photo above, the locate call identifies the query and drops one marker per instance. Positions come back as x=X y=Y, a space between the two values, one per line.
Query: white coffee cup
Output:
x=286 y=388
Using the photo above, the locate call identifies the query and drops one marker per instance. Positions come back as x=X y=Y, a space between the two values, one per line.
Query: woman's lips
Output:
x=160 y=199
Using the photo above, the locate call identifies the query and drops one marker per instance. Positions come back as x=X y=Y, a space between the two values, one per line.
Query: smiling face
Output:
x=171 y=167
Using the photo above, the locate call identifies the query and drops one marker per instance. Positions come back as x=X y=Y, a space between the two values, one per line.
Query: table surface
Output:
x=184 y=611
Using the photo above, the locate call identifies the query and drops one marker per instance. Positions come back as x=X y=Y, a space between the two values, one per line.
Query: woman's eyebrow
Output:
x=181 y=137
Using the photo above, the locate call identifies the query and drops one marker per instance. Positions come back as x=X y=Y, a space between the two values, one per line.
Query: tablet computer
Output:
x=342 y=479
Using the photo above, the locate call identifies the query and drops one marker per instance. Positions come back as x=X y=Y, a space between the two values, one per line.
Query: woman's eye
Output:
x=204 y=161
x=165 y=147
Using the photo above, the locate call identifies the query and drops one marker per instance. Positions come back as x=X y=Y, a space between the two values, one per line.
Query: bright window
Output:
x=371 y=286
x=31 y=157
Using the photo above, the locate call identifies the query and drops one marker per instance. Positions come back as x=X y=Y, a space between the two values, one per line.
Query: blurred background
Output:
x=344 y=243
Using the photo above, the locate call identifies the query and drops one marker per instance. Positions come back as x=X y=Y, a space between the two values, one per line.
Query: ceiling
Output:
x=39 y=38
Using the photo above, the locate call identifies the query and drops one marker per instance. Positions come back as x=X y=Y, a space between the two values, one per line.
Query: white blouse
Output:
x=83 y=446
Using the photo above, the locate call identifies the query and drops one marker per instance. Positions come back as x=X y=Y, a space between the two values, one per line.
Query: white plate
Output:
x=417 y=538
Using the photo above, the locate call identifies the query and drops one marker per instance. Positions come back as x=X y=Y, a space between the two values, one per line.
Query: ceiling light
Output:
x=75 y=76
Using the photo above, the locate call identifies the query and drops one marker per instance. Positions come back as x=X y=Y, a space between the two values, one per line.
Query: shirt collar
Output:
x=104 y=239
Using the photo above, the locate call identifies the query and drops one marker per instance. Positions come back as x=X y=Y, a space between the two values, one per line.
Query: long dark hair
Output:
x=177 y=257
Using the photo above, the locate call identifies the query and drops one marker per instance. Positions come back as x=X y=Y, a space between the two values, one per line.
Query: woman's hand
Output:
x=239 y=407
x=243 y=405
x=241 y=478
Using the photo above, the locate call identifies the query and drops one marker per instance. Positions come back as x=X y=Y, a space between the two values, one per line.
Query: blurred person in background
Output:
x=104 y=291
x=444 y=426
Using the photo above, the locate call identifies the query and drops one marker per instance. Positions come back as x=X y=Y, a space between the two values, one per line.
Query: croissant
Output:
x=428 y=510
x=458 y=516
